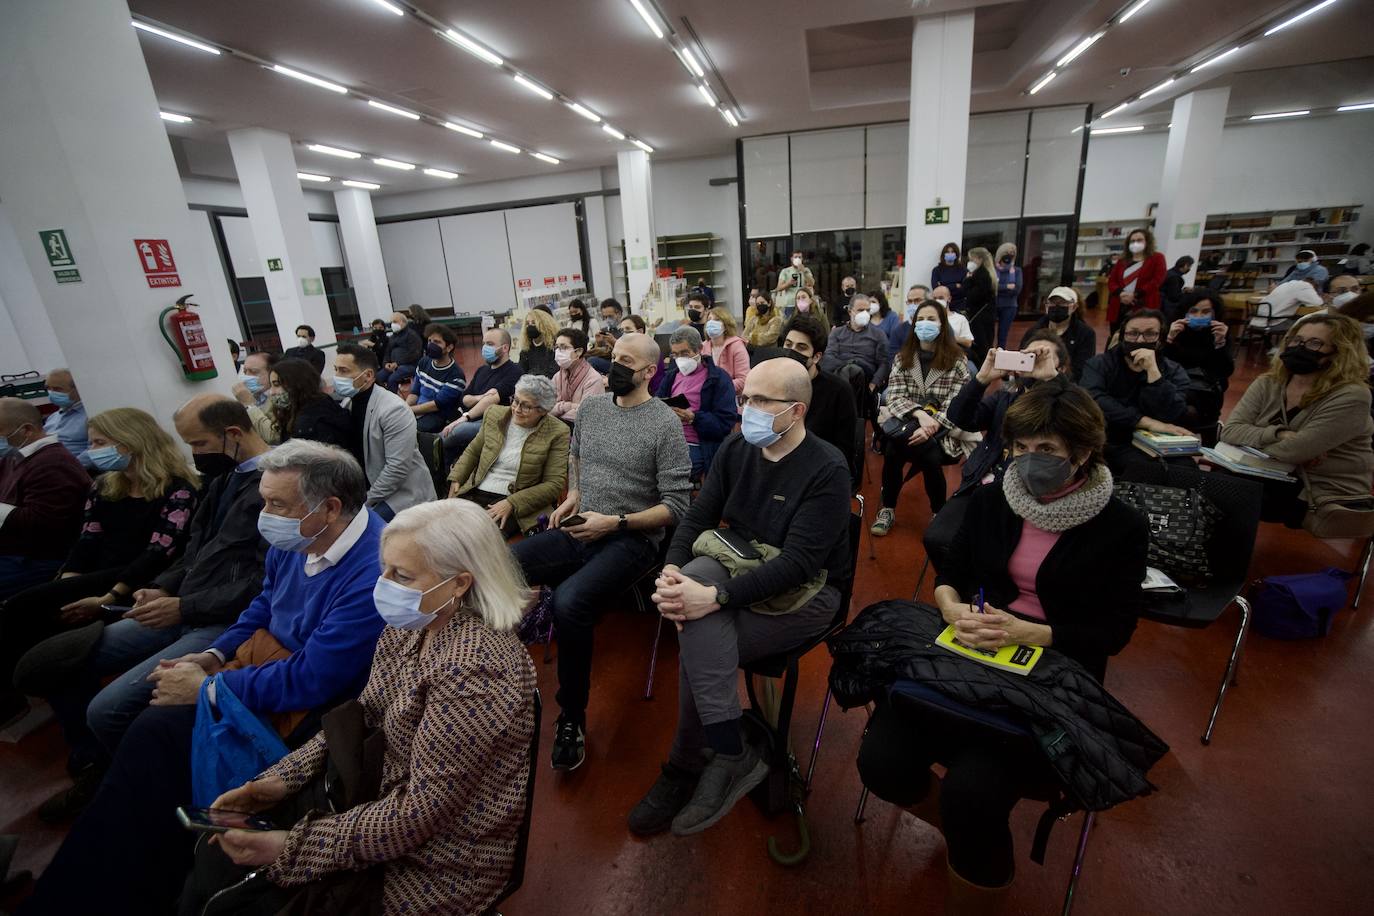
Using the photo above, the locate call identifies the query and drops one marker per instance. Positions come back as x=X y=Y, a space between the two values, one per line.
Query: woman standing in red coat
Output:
x=1136 y=276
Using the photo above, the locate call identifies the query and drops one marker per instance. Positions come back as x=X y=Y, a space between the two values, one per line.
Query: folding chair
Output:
x=431 y=446
x=1273 y=328
x=522 y=838
x=644 y=606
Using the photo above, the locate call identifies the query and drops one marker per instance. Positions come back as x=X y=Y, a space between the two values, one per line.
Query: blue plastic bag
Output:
x=1302 y=606
x=229 y=745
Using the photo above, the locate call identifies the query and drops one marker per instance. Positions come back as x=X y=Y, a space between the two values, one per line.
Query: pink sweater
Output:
x=733 y=357
x=1030 y=552
x=572 y=385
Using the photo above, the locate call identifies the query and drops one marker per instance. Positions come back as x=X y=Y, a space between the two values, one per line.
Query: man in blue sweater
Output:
x=304 y=644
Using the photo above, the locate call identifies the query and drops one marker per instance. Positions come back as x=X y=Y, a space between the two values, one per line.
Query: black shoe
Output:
x=725 y=781
x=70 y=802
x=569 y=744
x=668 y=796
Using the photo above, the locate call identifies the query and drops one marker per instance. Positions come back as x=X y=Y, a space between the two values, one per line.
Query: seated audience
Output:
x=762 y=322
x=1058 y=562
x=576 y=379
x=42 y=491
x=1307 y=267
x=1137 y=388
x=517 y=466
x=710 y=414
x=603 y=341
x=1356 y=264
x=1199 y=343
x=447 y=664
x=628 y=481
x=376 y=338
x=930 y=370
x=787 y=492
x=303 y=645
x=305 y=349
x=725 y=347
x=806 y=304
x=381 y=435
x=633 y=324
x=437 y=393
x=254 y=391
x=1064 y=316
x=404 y=380
x=1311 y=409
x=492 y=384
x=403 y=349
x=831 y=415
x=136 y=521
x=1342 y=289
x=857 y=349
x=68 y=422
x=884 y=318
x=536 y=344
x=301 y=409
x=578 y=317
x=900 y=331
x=958 y=322
x=1280 y=305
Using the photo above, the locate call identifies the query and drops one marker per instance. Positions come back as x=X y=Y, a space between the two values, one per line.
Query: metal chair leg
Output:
x=1229 y=678
x=816 y=746
x=548 y=643
x=1364 y=570
x=916 y=595
x=1088 y=819
x=863 y=803
x=653 y=659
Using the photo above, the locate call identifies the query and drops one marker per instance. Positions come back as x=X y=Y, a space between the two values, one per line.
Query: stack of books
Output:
x=1241 y=459
x=1164 y=445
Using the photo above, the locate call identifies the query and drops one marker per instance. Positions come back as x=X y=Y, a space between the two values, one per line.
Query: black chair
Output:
x=522 y=838
x=1365 y=555
x=641 y=591
x=760 y=354
x=431 y=447
x=1273 y=328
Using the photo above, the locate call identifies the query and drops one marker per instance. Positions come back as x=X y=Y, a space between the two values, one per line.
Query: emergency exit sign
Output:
x=274 y=264
x=936 y=215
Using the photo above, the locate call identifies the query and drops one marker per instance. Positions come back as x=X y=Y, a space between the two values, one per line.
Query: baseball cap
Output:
x=1064 y=292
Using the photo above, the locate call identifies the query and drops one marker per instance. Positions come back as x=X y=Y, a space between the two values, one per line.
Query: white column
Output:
x=937 y=159
x=27 y=340
x=1189 y=163
x=83 y=150
x=363 y=251
x=272 y=193
x=637 y=216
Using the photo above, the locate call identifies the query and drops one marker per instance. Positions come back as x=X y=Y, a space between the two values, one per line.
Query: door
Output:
x=1044 y=244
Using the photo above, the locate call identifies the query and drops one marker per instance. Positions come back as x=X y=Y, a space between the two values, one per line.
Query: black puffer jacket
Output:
x=1099 y=749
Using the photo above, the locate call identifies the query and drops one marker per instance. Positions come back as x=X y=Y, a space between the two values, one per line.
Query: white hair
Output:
x=539 y=389
x=456 y=536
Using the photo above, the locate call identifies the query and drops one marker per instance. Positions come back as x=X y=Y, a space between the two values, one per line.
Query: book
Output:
x=1015 y=659
x=1253 y=457
x=1158 y=582
x=1165 y=444
x=1216 y=458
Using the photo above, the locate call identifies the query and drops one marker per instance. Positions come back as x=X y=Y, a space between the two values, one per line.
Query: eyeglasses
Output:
x=564 y=349
x=762 y=402
x=523 y=406
x=1310 y=344
x=1140 y=336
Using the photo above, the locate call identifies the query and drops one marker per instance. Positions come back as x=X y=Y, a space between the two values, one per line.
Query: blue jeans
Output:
x=386 y=377
x=1005 y=315
x=19 y=573
x=458 y=440
x=584 y=576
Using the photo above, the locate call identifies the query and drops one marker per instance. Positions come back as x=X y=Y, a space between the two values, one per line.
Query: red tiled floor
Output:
x=1273 y=818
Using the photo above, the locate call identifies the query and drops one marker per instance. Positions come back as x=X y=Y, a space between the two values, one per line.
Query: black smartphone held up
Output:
x=737 y=544
x=572 y=520
x=214 y=820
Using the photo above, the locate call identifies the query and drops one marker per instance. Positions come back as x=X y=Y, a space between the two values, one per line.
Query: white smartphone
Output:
x=1014 y=361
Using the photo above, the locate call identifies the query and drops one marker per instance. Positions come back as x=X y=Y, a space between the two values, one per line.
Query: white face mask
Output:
x=1341 y=299
x=396 y=327
x=1137 y=247
x=302 y=341
x=861 y=319
x=687 y=364
x=796 y=262
x=972 y=266
x=873 y=308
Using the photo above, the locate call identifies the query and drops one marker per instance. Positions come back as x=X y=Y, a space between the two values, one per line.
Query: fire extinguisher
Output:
x=184 y=333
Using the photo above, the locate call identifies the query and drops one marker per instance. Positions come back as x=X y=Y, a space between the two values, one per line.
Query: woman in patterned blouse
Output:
x=452 y=691
x=136 y=522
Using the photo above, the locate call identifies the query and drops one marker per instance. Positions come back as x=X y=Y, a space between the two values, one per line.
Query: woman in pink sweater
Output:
x=725 y=347
x=575 y=378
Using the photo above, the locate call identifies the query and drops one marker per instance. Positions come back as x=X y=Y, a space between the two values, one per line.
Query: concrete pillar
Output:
x=1189 y=164
x=637 y=215
x=27 y=340
x=84 y=151
x=937 y=159
x=272 y=193
x=363 y=252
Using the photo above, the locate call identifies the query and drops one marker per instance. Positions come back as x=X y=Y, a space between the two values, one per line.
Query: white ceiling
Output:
x=791 y=64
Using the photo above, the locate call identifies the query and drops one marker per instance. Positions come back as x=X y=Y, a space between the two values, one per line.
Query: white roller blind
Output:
x=767 y=201
x=996 y=163
x=325 y=235
x=827 y=180
x=543 y=243
x=885 y=190
x=243 y=250
x=414 y=258
x=1052 y=167
x=478 y=262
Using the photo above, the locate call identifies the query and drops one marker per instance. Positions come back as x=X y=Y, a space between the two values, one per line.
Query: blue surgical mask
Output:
x=488 y=353
x=1199 y=322
x=714 y=328
x=911 y=311
x=399 y=605
x=927 y=329
x=285 y=533
x=6 y=448
x=60 y=399
x=108 y=458
x=950 y=257
x=250 y=382
x=344 y=387
x=757 y=427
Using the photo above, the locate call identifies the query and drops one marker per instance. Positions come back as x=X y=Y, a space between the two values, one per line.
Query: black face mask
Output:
x=694 y=316
x=621 y=380
x=763 y=307
x=799 y=357
x=433 y=350
x=1301 y=361
x=1058 y=313
x=1130 y=347
x=534 y=335
x=848 y=291
x=213 y=464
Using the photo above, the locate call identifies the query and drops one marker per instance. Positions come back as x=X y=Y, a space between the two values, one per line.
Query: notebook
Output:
x=1016 y=659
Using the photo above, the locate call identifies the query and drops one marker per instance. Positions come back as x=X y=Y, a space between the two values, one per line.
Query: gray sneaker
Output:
x=883 y=523
x=725 y=781
x=665 y=799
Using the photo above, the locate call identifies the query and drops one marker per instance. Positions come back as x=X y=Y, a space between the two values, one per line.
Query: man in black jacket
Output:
x=832 y=415
x=403 y=350
x=189 y=606
x=305 y=348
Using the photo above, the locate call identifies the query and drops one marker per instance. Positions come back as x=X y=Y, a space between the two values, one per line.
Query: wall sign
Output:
x=548 y=281
x=274 y=264
x=60 y=256
x=1187 y=230
x=936 y=215
x=639 y=263
x=159 y=267
x=312 y=286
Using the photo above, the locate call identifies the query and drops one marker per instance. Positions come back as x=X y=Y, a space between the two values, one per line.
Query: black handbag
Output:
x=899 y=430
x=1181 y=524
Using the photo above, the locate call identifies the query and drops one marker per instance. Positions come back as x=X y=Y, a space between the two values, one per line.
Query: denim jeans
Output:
x=19 y=573
x=1006 y=314
x=583 y=576
x=458 y=440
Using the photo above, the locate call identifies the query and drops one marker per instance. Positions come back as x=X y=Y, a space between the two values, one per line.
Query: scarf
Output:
x=1130 y=274
x=1068 y=511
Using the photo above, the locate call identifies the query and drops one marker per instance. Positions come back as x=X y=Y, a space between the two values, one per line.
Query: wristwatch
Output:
x=624 y=524
x=722 y=596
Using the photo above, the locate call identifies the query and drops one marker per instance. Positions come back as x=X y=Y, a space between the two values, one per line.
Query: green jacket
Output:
x=543 y=471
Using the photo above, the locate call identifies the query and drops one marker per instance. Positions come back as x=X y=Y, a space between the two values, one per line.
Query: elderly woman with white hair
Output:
x=517 y=466
x=451 y=693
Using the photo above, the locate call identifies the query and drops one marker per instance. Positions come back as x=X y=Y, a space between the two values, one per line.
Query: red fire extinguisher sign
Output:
x=159 y=267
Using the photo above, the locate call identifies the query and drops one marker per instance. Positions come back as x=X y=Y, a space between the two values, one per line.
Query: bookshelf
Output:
x=698 y=254
x=1097 y=242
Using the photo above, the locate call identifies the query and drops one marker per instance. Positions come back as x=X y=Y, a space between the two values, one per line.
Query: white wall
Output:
x=208 y=193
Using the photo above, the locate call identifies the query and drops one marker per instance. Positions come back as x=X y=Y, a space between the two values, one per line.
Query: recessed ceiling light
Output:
x=706 y=94
x=1281 y=114
x=441 y=173
x=505 y=146
x=533 y=86
x=729 y=117
x=1160 y=88
x=1079 y=48
x=1362 y=106
x=307 y=176
x=394 y=164
x=390 y=7
x=612 y=131
x=1133 y=10
x=649 y=20
x=1220 y=57
x=544 y=158
x=333 y=151
x=584 y=111
x=391 y=109
x=1118 y=130
x=1043 y=81
x=174 y=118
x=365 y=185
x=468 y=131
x=172 y=36
x=472 y=47
x=642 y=145
x=312 y=80
x=1298 y=18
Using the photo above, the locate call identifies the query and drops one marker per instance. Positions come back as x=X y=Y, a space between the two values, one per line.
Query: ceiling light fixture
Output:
x=394 y=163
x=307 y=176
x=1043 y=81
x=312 y=80
x=391 y=109
x=729 y=118
x=505 y=146
x=1160 y=88
x=1362 y=106
x=707 y=95
x=466 y=131
x=543 y=158
x=689 y=60
x=365 y=185
x=533 y=87
x=441 y=173
x=174 y=118
x=1281 y=114
x=642 y=145
x=1298 y=18
x=1118 y=130
x=1135 y=8
x=1220 y=57
x=648 y=19
x=172 y=36
x=333 y=151
x=1079 y=48
x=1113 y=111
x=585 y=112
x=612 y=131
x=472 y=47
x=390 y=7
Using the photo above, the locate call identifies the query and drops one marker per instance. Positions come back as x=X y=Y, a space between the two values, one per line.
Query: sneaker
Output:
x=883 y=524
x=569 y=744
x=71 y=801
x=668 y=796
x=725 y=781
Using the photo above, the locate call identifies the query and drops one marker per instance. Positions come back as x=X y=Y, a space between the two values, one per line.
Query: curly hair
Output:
x=1349 y=364
x=156 y=461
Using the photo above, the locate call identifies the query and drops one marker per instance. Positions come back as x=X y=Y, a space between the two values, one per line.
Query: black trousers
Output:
x=927 y=459
x=486 y=500
x=31 y=616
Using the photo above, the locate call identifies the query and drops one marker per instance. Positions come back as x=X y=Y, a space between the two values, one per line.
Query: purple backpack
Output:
x=1301 y=606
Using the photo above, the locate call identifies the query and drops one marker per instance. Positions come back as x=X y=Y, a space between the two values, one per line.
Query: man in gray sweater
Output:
x=629 y=481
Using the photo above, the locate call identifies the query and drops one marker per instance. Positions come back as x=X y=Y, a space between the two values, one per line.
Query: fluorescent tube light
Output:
x=1132 y=11
x=1281 y=114
x=533 y=87
x=1362 y=106
x=1113 y=111
x=505 y=146
x=612 y=131
x=333 y=151
x=729 y=117
x=642 y=145
x=649 y=20
x=390 y=7
x=543 y=158
x=394 y=164
x=1160 y=88
x=690 y=60
x=441 y=173
x=174 y=118
x=466 y=131
x=1043 y=81
x=307 y=176
x=391 y=109
x=1220 y=57
x=312 y=80
x=1118 y=130
x=472 y=47
x=1078 y=49
x=1298 y=18
x=365 y=185
x=584 y=111
x=707 y=95
x=172 y=36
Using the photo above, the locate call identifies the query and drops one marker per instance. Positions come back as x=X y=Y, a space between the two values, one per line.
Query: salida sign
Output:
x=159 y=267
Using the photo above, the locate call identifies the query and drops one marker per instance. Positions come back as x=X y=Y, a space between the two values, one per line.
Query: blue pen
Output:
x=980 y=600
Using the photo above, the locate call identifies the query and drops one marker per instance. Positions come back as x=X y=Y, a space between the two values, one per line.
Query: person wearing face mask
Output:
x=182 y=610
x=536 y=344
x=301 y=409
x=1307 y=267
x=723 y=344
x=305 y=348
x=492 y=384
x=1199 y=343
x=252 y=390
x=1134 y=280
x=980 y=302
x=436 y=396
x=611 y=314
x=1311 y=409
x=136 y=523
x=577 y=317
x=448 y=662
x=1171 y=290
x=302 y=646
x=68 y=422
x=790 y=281
x=928 y=372
x=376 y=338
x=1137 y=388
x=710 y=414
x=42 y=491
x=858 y=351
x=950 y=272
x=805 y=304
x=762 y=322
x=576 y=380
x=403 y=349
x=958 y=324
x=1058 y=562
x=1009 y=283
x=832 y=415
x=1340 y=290
x=382 y=435
x=839 y=312
x=787 y=492
x=884 y=318
x=628 y=482
x=1064 y=316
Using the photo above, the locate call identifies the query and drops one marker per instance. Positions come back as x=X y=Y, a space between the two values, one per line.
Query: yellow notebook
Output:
x=1016 y=659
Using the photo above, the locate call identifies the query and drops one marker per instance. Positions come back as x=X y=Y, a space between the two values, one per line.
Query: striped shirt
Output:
x=444 y=386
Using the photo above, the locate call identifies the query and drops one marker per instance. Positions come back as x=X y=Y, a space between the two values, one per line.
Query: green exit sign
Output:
x=936 y=215
x=274 y=264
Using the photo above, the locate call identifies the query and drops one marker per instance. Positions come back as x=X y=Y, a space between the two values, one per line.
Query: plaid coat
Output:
x=908 y=392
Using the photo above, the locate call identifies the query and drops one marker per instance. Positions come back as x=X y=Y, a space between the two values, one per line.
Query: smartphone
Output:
x=1014 y=361
x=572 y=520
x=737 y=544
x=214 y=820
x=112 y=612
x=679 y=401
